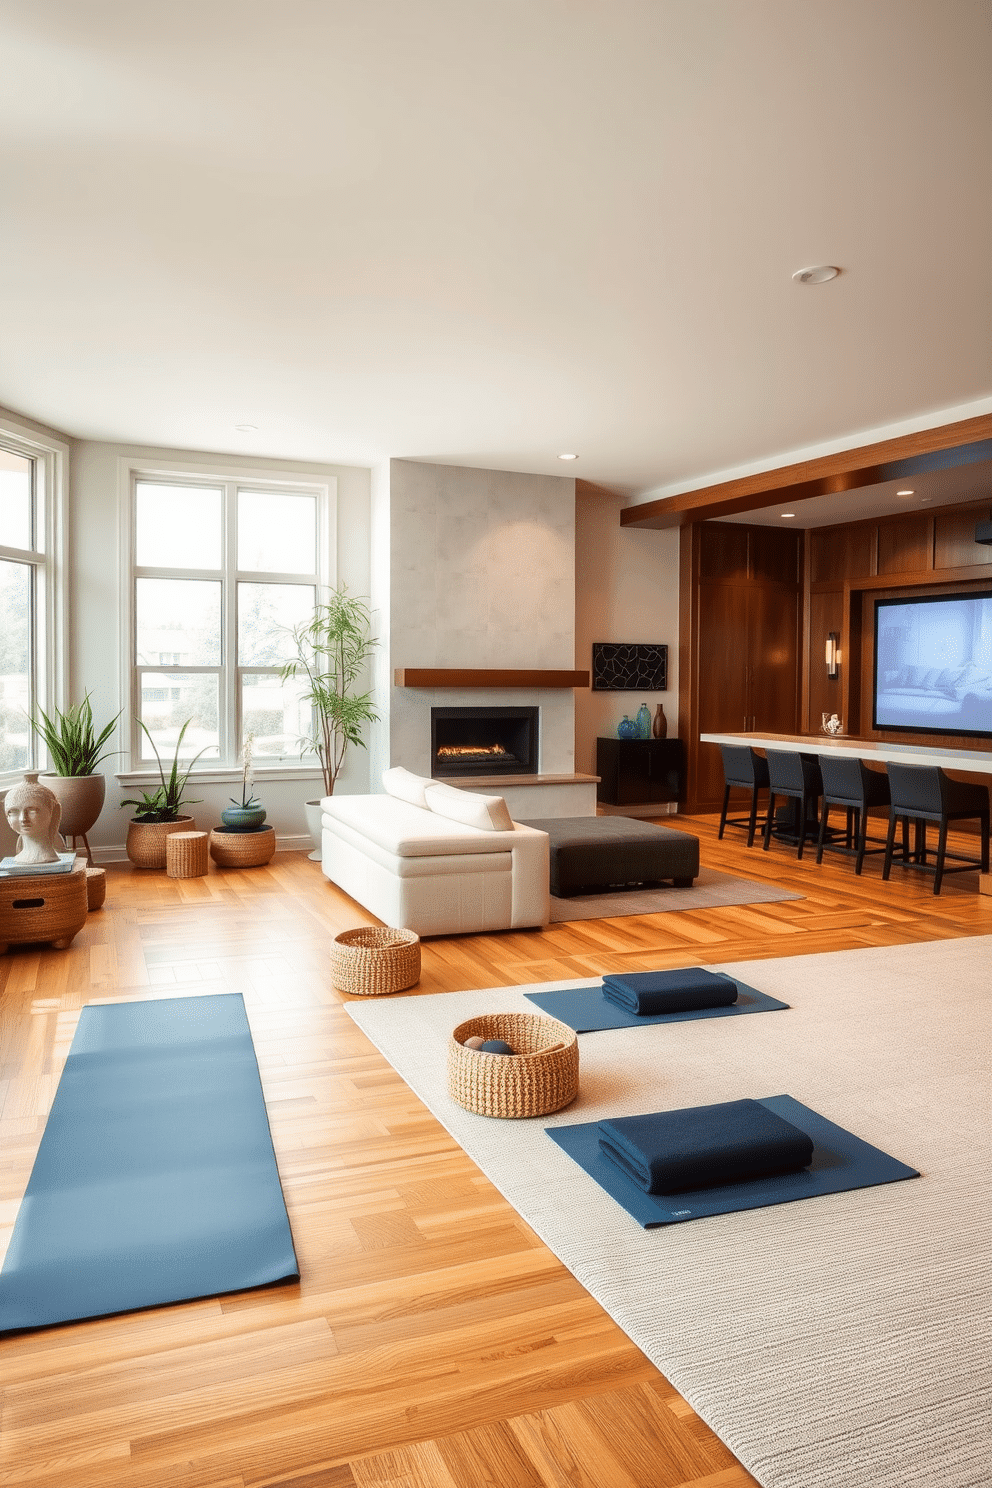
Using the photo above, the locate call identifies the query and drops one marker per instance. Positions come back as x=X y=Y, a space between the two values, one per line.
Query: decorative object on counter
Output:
x=659 y=727
x=627 y=728
x=332 y=649
x=33 y=812
x=248 y=814
x=160 y=813
x=644 y=722
x=374 y=960
x=75 y=750
x=543 y=1075
x=186 y=855
x=620 y=667
x=44 y=908
x=832 y=724
x=232 y=848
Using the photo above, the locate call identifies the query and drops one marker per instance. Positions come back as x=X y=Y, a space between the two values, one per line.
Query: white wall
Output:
x=95 y=600
x=481 y=573
x=627 y=589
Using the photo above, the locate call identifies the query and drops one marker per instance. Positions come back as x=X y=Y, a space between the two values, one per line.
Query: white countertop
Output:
x=973 y=760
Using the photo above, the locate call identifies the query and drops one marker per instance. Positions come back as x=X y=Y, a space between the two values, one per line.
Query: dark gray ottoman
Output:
x=609 y=851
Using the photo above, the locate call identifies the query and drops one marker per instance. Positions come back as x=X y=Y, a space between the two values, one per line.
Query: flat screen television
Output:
x=933 y=664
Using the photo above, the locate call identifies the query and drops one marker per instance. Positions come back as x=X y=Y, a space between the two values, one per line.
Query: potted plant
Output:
x=75 y=750
x=243 y=841
x=332 y=649
x=160 y=813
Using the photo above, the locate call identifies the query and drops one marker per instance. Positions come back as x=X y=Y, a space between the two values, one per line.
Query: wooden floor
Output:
x=433 y=1342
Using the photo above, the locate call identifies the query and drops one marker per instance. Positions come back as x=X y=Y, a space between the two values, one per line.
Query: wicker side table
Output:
x=242 y=849
x=186 y=855
x=375 y=960
x=43 y=907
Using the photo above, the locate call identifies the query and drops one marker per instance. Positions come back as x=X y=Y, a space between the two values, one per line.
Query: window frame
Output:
x=231 y=479
x=47 y=560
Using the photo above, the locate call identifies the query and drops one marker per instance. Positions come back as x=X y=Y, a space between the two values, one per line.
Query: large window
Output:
x=222 y=572
x=30 y=476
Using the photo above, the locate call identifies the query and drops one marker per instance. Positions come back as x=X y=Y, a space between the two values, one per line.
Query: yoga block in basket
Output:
x=43 y=907
x=541 y=1076
x=375 y=960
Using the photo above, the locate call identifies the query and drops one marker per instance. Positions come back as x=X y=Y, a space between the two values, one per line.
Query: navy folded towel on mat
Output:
x=703 y=1146
x=647 y=992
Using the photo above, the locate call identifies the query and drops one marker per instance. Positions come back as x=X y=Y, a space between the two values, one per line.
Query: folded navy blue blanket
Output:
x=703 y=1146
x=647 y=992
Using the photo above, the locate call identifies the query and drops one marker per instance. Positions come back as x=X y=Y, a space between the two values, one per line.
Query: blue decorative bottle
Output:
x=644 y=722
x=627 y=729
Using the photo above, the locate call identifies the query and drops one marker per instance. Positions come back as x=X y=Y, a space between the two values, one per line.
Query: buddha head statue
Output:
x=34 y=812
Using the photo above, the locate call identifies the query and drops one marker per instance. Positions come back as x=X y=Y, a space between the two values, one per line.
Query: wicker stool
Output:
x=186 y=854
x=374 y=960
x=540 y=1077
x=43 y=907
x=96 y=887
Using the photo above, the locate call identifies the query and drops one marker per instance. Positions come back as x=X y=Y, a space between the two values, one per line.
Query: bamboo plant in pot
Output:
x=75 y=749
x=161 y=812
x=332 y=649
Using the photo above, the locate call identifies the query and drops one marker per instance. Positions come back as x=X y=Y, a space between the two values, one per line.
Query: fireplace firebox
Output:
x=484 y=741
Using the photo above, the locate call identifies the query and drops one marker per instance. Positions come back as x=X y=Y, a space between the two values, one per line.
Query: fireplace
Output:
x=484 y=741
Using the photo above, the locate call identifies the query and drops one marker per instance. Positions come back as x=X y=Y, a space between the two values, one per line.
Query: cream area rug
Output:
x=838 y=1342
x=711 y=890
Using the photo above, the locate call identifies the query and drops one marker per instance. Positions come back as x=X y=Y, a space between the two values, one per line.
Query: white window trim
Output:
x=51 y=659
x=272 y=477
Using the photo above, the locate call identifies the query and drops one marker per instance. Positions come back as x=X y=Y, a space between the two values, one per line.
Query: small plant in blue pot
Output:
x=246 y=815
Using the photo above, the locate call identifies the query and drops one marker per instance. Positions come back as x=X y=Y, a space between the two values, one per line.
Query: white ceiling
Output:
x=486 y=233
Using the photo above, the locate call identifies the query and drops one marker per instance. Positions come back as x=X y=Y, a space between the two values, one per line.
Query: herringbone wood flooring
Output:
x=433 y=1342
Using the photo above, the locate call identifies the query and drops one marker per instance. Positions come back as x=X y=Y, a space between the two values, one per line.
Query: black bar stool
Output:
x=796 y=776
x=924 y=794
x=849 y=783
x=747 y=770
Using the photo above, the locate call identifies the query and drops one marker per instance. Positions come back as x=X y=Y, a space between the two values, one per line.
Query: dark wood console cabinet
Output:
x=633 y=771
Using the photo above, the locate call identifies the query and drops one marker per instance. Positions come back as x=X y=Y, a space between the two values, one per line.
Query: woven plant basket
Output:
x=375 y=960
x=186 y=855
x=146 y=840
x=242 y=849
x=542 y=1076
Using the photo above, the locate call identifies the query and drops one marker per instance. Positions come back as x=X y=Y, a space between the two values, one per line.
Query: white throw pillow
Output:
x=406 y=786
x=487 y=812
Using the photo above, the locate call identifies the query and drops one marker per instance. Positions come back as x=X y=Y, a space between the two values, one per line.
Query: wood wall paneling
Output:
x=723 y=551
x=954 y=540
x=774 y=555
x=826 y=613
x=905 y=544
x=839 y=553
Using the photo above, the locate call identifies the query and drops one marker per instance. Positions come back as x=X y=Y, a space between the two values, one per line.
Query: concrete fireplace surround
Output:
x=476 y=569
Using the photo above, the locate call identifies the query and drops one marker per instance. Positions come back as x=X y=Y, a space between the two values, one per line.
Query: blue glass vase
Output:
x=627 y=729
x=644 y=722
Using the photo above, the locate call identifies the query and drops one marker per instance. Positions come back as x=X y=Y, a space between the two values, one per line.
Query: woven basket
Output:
x=96 y=887
x=146 y=840
x=543 y=1075
x=374 y=960
x=242 y=849
x=49 y=907
x=186 y=855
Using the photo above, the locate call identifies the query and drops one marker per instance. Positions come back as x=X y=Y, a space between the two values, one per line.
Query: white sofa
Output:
x=428 y=858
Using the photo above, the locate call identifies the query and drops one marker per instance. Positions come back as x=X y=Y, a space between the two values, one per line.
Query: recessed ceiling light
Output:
x=568 y=457
x=904 y=493
x=818 y=274
x=246 y=428
x=787 y=514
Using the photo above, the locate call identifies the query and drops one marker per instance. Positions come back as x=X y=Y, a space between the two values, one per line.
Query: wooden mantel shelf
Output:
x=466 y=677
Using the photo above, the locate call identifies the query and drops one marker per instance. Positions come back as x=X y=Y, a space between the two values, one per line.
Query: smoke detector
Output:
x=818 y=274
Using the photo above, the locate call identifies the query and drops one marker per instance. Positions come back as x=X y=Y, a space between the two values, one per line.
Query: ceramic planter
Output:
x=243 y=818
x=81 y=798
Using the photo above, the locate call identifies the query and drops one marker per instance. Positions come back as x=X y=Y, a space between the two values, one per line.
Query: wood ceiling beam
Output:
x=828 y=475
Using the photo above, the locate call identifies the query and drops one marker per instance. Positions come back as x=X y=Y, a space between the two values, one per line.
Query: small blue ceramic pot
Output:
x=243 y=818
x=627 y=728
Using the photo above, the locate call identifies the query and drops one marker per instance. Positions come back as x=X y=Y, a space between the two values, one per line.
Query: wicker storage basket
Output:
x=43 y=907
x=543 y=1076
x=96 y=887
x=186 y=855
x=146 y=840
x=242 y=849
x=374 y=960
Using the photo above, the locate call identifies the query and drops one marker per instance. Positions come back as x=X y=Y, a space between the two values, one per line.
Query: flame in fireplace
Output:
x=473 y=752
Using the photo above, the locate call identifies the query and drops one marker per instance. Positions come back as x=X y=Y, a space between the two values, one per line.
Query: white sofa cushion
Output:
x=488 y=813
x=406 y=786
x=409 y=832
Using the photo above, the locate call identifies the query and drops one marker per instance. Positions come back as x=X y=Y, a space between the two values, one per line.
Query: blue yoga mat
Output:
x=587 y=1011
x=841 y=1161
x=155 y=1180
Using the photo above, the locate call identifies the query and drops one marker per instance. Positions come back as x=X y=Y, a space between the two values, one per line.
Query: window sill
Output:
x=224 y=775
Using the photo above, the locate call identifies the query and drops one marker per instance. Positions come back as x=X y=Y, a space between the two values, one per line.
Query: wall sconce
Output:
x=832 y=656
